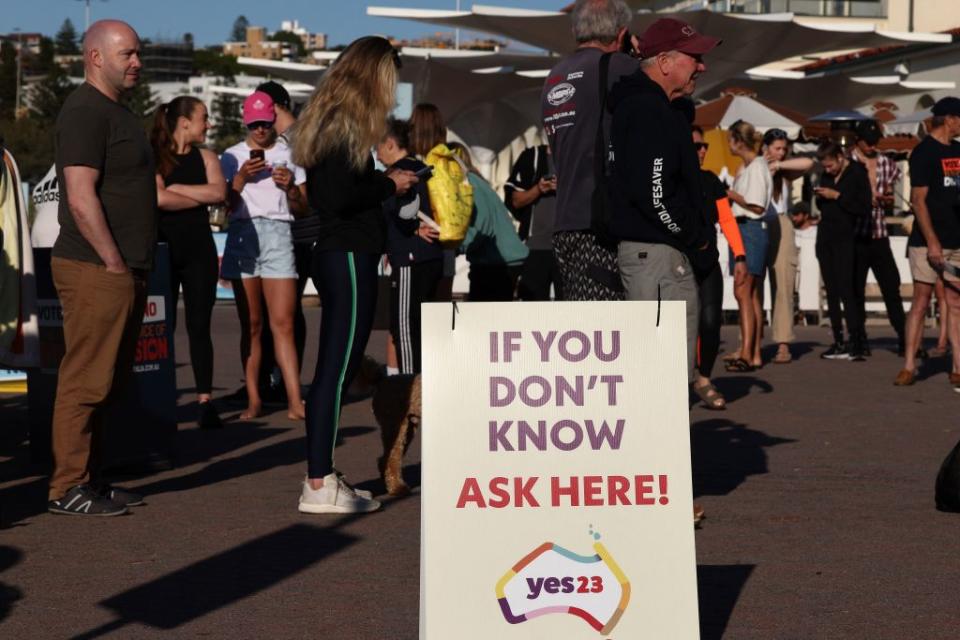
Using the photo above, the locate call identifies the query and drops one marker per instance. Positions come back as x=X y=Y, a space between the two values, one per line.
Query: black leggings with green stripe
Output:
x=347 y=284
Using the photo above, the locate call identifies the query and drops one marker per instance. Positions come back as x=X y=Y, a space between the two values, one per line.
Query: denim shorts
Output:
x=258 y=248
x=755 y=243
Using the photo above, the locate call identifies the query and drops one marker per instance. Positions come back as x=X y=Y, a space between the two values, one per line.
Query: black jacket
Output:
x=838 y=217
x=348 y=204
x=654 y=185
x=404 y=246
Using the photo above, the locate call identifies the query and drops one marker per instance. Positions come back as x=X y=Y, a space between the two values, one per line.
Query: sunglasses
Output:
x=775 y=134
x=701 y=145
x=396 y=60
x=253 y=126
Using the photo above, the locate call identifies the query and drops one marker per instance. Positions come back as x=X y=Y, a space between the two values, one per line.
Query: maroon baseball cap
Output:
x=668 y=34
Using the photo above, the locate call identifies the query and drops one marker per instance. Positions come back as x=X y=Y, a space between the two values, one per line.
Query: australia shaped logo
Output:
x=553 y=580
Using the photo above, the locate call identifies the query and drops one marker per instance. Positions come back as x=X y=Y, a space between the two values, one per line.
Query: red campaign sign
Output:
x=951 y=166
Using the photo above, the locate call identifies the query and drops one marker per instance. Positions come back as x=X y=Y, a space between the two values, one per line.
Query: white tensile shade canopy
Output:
x=484 y=98
x=749 y=41
x=748 y=109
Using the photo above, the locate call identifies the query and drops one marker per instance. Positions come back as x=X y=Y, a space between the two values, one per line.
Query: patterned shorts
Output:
x=588 y=271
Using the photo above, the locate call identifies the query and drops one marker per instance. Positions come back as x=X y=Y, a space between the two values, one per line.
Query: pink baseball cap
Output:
x=258 y=107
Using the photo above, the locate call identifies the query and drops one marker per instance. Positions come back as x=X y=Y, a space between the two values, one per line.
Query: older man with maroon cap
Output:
x=655 y=175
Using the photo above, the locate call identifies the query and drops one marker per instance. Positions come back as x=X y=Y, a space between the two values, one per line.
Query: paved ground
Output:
x=818 y=485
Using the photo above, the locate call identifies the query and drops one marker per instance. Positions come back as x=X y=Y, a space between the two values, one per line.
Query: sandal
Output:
x=783 y=357
x=712 y=398
x=739 y=366
x=905 y=378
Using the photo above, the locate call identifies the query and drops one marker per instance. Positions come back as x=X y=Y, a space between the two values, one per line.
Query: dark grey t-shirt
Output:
x=571 y=110
x=94 y=131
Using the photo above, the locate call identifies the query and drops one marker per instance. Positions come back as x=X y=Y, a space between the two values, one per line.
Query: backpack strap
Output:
x=600 y=145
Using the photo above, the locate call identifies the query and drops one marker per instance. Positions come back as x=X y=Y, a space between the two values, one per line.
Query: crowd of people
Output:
x=616 y=206
x=305 y=200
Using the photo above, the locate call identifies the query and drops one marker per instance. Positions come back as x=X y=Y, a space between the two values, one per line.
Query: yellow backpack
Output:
x=451 y=194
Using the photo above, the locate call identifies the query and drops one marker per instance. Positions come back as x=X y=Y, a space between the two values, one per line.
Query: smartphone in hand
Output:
x=256 y=154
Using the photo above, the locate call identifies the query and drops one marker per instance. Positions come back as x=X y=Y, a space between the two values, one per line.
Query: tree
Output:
x=48 y=95
x=30 y=140
x=238 y=33
x=66 y=39
x=213 y=63
x=140 y=100
x=292 y=38
x=45 y=63
x=8 y=78
x=188 y=39
x=228 y=129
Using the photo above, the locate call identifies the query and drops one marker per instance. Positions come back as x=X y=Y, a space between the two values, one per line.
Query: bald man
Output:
x=108 y=229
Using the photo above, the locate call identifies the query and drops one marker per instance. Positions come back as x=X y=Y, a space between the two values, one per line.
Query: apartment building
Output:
x=893 y=15
x=311 y=41
x=257 y=46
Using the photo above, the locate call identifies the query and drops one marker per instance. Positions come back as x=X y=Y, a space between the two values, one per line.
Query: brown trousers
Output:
x=102 y=314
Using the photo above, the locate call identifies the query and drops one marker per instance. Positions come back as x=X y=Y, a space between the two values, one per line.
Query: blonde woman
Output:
x=750 y=196
x=345 y=118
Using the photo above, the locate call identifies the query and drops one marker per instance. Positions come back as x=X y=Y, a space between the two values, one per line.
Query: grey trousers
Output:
x=645 y=268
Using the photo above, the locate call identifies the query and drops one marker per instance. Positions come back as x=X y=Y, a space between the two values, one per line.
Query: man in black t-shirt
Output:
x=531 y=195
x=108 y=229
x=935 y=241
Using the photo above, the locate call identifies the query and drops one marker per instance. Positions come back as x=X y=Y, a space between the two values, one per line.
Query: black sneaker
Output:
x=118 y=495
x=857 y=352
x=837 y=351
x=84 y=500
x=208 y=418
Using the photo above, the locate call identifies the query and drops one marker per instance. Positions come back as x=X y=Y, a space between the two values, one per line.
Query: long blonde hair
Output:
x=349 y=108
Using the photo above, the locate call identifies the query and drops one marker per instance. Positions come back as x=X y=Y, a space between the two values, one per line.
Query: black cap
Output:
x=280 y=96
x=869 y=131
x=948 y=106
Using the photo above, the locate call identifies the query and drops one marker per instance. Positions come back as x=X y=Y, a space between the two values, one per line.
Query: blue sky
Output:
x=210 y=20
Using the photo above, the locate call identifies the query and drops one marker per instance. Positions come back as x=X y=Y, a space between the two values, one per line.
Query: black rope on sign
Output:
x=453 y=316
x=658 y=304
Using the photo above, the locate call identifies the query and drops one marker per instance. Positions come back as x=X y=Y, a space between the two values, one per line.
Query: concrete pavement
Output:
x=817 y=482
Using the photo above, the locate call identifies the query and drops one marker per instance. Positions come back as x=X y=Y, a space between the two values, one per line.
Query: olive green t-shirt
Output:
x=94 y=131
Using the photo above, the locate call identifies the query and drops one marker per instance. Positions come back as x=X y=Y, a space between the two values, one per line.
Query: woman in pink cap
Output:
x=265 y=191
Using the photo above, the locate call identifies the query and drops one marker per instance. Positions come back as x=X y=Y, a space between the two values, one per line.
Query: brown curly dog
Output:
x=396 y=405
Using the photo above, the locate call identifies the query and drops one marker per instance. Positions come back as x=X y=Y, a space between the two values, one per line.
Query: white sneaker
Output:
x=335 y=496
x=363 y=493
